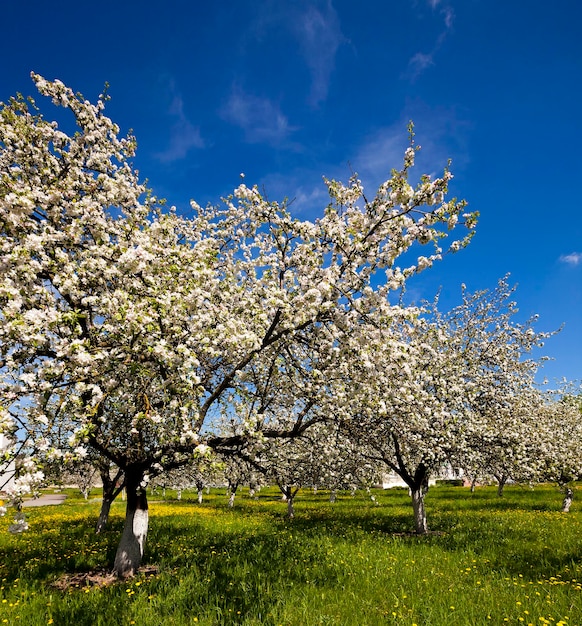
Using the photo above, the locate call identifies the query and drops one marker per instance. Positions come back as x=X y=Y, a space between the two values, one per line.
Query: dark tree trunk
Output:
x=200 y=490
x=132 y=544
x=418 y=485
x=112 y=487
x=501 y=480
x=106 y=503
x=288 y=495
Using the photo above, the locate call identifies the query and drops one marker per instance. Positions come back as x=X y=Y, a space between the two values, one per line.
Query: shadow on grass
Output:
x=59 y=546
x=243 y=562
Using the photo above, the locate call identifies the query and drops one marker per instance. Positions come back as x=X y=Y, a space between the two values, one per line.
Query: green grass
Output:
x=514 y=560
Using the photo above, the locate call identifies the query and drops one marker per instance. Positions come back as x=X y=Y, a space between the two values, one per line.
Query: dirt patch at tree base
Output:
x=96 y=578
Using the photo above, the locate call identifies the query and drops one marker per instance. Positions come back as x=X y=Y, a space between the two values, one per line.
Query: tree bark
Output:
x=420 y=524
x=501 y=484
x=132 y=544
x=233 y=485
x=200 y=495
x=106 y=503
x=111 y=489
x=290 y=507
x=567 y=502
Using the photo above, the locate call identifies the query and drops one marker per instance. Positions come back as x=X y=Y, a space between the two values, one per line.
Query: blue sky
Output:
x=288 y=91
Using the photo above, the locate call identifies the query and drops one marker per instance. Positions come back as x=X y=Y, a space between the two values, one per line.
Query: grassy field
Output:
x=489 y=560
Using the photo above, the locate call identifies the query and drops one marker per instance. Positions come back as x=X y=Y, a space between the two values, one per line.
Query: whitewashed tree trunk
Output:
x=420 y=524
x=179 y=494
x=290 y=507
x=131 y=547
x=200 y=495
x=332 y=495
x=567 y=502
x=231 y=498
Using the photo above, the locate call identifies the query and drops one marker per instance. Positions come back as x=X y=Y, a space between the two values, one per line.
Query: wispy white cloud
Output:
x=184 y=136
x=380 y=153
x=442 y=133
x=319 y=33
x=304 y=190
x=449 y=16
x=260 y=118
x=315 y=27
x=421 y=61
x=575 y=258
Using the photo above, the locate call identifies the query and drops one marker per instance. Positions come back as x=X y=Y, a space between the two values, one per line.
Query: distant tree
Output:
x=556 y=439
x=443 y=389
x=203 y=468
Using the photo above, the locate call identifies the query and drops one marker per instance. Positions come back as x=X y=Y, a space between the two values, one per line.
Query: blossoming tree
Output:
x=446 y=389
x=130 y=327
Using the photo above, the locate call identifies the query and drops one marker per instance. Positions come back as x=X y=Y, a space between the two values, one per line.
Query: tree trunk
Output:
x=332 y=495
x=111 y=489
x=420 y=524
x=200 y=495
x=131 y=547
x=232 y=488
x=179 y=493
x=568 y=497
x=106 y=503
x=290 y=507
x=501 y=484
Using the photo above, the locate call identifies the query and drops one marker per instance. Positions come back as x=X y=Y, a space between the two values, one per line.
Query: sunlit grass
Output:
x=514 y=560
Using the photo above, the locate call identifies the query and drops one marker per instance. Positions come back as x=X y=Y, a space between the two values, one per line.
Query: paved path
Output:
x=46 y=499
